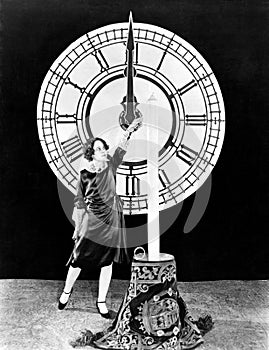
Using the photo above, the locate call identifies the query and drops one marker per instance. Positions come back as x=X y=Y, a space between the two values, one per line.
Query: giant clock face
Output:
x=81 y=98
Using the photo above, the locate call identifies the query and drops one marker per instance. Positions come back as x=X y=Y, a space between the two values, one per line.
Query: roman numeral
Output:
x=100 y=58
x=164 y=178
x=165 y=52
x=98 y=54
x=72 y=148
x=136 y=54
x=161 y=61
x=66 y=118
x=185 y=88
x=68 y=81
x=132 y=185
x=187 y=154
x=196 y=120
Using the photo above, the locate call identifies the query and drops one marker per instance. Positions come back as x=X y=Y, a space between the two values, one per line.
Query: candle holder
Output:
x=152 y=314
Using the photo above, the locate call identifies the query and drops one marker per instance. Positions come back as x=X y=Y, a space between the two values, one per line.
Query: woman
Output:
x=99 y=223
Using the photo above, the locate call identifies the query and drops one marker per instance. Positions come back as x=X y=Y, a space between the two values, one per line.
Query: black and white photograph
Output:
x=134 y=174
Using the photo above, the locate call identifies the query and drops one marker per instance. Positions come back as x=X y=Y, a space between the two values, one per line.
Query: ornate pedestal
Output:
x=152 y=314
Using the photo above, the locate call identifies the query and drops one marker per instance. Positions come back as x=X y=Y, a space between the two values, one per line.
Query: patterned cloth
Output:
x=152 y=314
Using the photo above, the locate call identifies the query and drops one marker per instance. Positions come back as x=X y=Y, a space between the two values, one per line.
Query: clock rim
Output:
x=145 y=26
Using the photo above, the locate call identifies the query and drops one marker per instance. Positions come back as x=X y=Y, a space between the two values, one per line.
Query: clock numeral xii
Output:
x=135 y=55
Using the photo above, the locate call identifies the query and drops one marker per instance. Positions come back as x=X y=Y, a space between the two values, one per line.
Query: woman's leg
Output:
x=104 y=281
x=71 y=278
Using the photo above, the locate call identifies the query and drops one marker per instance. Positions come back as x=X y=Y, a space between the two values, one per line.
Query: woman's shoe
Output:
x=61 y=306
x=105 y=315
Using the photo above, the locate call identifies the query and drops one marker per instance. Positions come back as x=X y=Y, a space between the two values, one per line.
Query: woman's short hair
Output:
x=88 y=147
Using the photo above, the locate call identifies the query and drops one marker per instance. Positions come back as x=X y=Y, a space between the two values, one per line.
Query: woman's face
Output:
x=99 y=151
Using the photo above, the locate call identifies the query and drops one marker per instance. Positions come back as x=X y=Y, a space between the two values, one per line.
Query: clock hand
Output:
x=129 y=101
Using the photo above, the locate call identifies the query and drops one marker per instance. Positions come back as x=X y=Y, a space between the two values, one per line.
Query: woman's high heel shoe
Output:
x=61 y=306
x=105 y=315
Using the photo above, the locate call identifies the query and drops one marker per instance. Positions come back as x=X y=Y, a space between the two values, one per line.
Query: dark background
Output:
x=230 y=242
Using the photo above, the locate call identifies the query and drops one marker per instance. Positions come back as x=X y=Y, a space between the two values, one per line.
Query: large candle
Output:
x=153 y=181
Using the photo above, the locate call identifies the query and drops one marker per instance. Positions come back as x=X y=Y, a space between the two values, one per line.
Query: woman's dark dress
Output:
x=101 y=236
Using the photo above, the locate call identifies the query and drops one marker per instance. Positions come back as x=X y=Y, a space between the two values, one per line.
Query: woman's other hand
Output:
x=135 y=125
x=77 y=217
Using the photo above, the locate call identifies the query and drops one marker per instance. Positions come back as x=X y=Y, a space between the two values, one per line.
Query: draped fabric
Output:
x=152 y=315
x=101 y=235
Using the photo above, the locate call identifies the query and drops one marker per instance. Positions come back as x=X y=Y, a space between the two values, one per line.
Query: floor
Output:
x=30 y=320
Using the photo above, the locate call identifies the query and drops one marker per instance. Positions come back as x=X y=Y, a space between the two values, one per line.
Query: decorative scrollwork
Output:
x=152 y=315
x=147 y=272
x=147 y=341
x=168 y=273
x=143 y=288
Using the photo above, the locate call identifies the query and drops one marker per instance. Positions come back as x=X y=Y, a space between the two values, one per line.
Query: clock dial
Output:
x=81 y=97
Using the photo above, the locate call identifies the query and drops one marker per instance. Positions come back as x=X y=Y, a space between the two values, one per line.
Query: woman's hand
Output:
x=135 y=125
x=75 y=234
x=77 y=217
